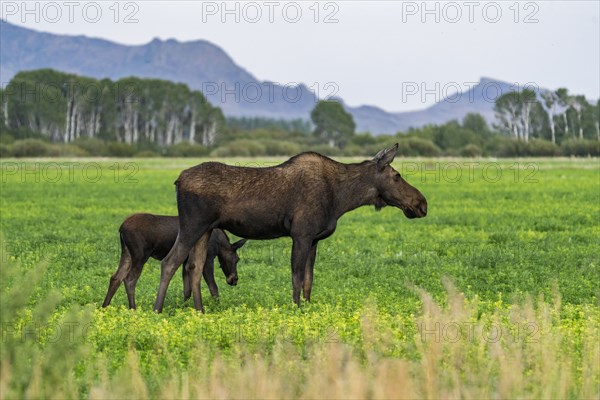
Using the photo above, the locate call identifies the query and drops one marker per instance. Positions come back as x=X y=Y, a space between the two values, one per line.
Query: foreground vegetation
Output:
x=493 y=295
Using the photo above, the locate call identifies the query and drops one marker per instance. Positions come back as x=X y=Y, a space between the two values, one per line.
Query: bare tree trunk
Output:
x=97 y=124
x=91 y=123
x=5 y=111
x=209 y=134
x=79 y=125
x=135 y=127
x=69 y=119
x=192 y=128
x=130 y=123
x=147 y=130
x=153 y=137
x=170 y=126
x=552 y=128
x=178 y=131
x=526 y=120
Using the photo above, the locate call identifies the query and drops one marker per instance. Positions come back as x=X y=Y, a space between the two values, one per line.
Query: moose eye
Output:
x=397 y=176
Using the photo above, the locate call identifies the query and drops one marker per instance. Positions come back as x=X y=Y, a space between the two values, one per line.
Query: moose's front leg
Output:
x=308 y=271
x=300 y=252
x=171 y=262
x=195 y=268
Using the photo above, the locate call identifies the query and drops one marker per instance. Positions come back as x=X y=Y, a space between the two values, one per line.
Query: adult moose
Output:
x=302 y=198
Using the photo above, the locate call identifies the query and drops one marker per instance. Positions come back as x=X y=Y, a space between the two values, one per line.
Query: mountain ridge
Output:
x=205 y=66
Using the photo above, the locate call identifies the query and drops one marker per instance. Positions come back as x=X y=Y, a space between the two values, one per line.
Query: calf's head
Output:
x=393 y=190
x=228 y=259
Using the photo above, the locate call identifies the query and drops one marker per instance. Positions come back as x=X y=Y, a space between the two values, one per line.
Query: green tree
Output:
x=3 y=109
x=332 y=122
x=475 y=123
x=65 y=107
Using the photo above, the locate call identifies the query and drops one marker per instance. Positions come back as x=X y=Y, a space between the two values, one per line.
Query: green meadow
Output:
x=499 y=281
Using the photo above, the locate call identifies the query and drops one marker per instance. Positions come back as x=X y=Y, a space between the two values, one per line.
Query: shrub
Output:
x=5 y=151
x=66 y=150
x=363 y=139
x=471 y=150
x=453 y=153
x=417 y=147
x=280 y=148
x=513 y=148
x=6 y=138
x=353 y=150
x=581 y=148
x=184 y=149
x=542 y=148
x=146 y=154
x=119 y=149
x=240 y=148
x=31 y=148
x=495 y=144
x=93 y=146
x=146 y=145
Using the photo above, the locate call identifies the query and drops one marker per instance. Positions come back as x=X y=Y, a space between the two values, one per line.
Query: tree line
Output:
x=550 y=115
x=50 y=113
x=64 y=107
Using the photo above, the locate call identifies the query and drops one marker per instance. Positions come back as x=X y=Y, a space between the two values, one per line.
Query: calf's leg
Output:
x=131 y=280
x=119 y=275
x=209 y=277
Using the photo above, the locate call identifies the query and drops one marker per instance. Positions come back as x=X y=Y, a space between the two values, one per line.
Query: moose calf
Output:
x=146 y=235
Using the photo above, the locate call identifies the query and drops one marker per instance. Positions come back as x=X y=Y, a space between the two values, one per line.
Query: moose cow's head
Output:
x=393 y=190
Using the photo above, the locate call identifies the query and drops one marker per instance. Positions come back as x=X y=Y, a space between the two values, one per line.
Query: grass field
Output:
x=493 y=294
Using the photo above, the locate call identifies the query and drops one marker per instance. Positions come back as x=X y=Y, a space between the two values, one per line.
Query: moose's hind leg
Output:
x=308 y=272
x=122 y=271
x=194 y=222
x=177 y=255
x=131 y=281
x=300 y=252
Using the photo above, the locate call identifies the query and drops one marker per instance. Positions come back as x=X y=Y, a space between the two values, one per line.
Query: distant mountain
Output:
x=206 y=67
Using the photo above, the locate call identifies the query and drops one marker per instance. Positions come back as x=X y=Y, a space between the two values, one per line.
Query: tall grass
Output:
x=531 y=351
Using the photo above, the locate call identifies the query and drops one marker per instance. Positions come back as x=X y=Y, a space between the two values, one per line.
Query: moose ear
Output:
x=238 y=244
x=385 y=157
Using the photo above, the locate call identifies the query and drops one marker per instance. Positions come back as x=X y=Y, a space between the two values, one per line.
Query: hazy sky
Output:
x=375 y=53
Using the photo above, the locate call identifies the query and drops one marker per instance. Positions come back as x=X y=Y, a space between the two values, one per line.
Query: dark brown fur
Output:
x=302 y=198
x=147 y=235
